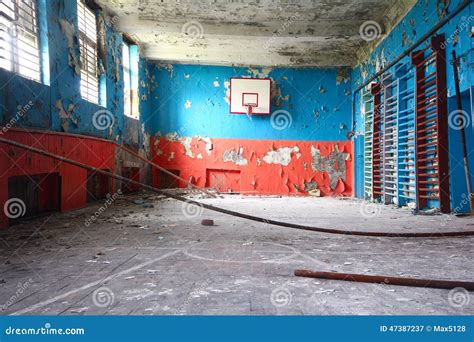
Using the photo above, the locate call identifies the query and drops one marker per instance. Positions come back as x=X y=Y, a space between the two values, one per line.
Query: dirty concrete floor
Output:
x=145 y=255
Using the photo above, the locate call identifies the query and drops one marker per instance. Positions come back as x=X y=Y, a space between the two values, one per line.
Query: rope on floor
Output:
x=235 y=213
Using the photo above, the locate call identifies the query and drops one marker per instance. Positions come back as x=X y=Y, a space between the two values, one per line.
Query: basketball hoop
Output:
x=249 y=107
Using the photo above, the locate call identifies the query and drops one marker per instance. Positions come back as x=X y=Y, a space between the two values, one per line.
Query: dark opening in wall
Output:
x=223 y=180
x=98 y=186
x=32 y=195
x=132 y=173
x=167 y=181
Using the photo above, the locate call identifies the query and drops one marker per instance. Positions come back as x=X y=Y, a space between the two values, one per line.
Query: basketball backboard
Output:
x=250 y=95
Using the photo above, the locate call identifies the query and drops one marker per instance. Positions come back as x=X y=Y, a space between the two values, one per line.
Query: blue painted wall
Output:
x=421 y=18
x=319 y=106
x=61 y=82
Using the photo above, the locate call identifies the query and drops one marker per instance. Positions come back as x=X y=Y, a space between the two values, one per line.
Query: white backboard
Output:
x=250 y=91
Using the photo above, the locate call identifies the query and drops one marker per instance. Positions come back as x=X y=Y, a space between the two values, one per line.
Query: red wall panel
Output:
x=18 y=162
x=294 y=165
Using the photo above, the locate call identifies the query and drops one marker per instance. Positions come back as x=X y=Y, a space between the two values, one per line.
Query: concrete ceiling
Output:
x=319 y=33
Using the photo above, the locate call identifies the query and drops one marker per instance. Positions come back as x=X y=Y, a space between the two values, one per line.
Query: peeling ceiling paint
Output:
x=247 y=32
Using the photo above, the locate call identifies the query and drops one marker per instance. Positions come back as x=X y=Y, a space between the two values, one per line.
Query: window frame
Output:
x=88 y=46
x=127 y=75
x=132 y=110
x=28 y=62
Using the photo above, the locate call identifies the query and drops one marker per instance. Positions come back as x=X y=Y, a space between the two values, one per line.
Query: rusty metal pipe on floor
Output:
x=387 y=280
x=231 y=212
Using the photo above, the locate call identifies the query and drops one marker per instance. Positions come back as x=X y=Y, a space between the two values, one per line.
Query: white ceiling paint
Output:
x=319 y=33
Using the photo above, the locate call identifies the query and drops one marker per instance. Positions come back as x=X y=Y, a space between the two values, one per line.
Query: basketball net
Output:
x=250 y=107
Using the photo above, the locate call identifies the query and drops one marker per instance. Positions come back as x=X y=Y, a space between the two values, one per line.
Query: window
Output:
x=130 y=79
x=127 y=83
x=19 y=41
x=88 y=46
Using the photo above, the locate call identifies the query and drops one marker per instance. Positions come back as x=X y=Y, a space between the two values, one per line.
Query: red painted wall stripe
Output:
x=258 y=166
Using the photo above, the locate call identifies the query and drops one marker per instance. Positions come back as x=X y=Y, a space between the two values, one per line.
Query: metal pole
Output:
x=462 y=120
x=387 y=280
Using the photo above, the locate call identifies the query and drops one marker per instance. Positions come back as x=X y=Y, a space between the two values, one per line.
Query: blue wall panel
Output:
x=420 y=19
x=191 y=100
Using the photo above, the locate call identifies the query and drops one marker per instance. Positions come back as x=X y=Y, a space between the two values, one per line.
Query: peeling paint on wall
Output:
x=167 y=67
x=280 y=156
x=343 y=75
x=73 y=48
x=238 y=160
x=66 y=116
x=259 y=72
x=227 y=92
x=334 y=164
x=186 y=142
x=236 y=157
x=208 y=143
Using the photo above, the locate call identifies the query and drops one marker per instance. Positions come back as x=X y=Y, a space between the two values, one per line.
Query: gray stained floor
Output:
x=155 y=258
